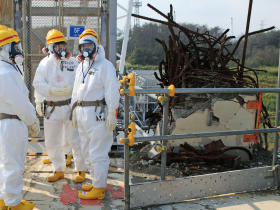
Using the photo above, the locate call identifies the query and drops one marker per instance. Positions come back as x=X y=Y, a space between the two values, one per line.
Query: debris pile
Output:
x=188 y=161
x=212 y=153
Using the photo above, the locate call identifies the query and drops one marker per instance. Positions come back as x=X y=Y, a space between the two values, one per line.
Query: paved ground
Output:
x=63 y=194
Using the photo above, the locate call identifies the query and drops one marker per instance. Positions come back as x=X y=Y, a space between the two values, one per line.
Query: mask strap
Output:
x=19 y=70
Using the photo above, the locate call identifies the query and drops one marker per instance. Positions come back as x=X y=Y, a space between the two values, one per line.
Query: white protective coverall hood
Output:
x=4 y=53
x=14 y=100
x=91 y=84
x=5 y=56
x=59 y=133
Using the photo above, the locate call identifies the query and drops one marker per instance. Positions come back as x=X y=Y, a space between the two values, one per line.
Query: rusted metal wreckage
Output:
x=194 y=59
x=214 y=155
x=200 y=60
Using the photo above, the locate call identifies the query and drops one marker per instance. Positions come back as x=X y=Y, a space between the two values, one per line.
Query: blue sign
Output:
x=75 y=31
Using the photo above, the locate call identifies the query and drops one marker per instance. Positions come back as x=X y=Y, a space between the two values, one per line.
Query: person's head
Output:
x=89 y=44
x=57 y=44
x=10 y=47
x=16 y=48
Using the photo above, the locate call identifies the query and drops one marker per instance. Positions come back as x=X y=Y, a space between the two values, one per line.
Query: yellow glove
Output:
x=111 y=120
x=34 y=129
x=39 y=109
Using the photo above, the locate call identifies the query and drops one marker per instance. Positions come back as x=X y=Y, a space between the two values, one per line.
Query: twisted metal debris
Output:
x=200 y=60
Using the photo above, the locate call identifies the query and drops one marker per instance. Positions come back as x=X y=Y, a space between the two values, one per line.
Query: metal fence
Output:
x=145 y=194
x=43 y=15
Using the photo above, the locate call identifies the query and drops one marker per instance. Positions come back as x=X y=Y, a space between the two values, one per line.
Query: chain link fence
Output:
x=43 y=15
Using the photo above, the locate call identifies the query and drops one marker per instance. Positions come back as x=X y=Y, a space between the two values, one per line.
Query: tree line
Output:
x=262 y=49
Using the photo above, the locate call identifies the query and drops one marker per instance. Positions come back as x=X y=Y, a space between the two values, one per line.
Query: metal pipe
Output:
x=24 y=38
x=62 y=17
x=275 y=150
x=99 y=16
x=126 y=36
x=246 y=37
x=59 y=15
x=206 y=134
x=126 y=155
x=26 y=23
x=164 y=132
x=112 y=31
x=228 y=90
x=207 y=90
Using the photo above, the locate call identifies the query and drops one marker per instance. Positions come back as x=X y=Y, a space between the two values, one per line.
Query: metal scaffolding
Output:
x=178 y=190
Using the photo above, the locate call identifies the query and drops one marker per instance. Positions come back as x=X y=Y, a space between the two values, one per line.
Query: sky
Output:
x=265 y=13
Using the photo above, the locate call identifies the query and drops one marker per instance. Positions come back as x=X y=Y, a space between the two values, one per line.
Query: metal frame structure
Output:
x=105 y=10
x=179 y=190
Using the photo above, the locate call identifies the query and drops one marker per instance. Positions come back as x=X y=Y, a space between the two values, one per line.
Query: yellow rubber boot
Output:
x=94 y=193
x=46 y=161
x=56 y=176
x=68 y=159
x=81 y=177
x=87 y=187
x=23 y=205
x=2 y=205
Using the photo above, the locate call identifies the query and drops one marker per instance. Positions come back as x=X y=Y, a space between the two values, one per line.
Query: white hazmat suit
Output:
x=95 y=80
x=13 y=132
x=53 y=81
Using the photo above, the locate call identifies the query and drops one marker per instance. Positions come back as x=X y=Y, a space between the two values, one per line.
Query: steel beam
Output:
x=207 y=90
x=182 y=189
x=206 y=134
x=276 y=139
x=67 y=11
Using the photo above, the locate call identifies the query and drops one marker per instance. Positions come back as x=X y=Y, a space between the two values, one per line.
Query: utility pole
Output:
x=137 y=4
x=231 y=26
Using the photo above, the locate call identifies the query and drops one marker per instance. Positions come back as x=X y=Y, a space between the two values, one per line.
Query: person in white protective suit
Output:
x=17 y=120
x=39 y=101
x=53 y=83
x=95 y=99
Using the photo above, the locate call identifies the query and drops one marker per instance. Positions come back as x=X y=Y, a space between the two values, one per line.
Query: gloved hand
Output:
x=74 y=120
x=111 y=120
x=39 y=109
x=54 y=91
x=79 y=58
x=34 y=129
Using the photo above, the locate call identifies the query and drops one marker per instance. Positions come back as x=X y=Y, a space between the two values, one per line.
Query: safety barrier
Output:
x=178 y=190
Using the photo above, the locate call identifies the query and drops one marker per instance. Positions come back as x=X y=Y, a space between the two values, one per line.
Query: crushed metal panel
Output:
x=231 y=115
x=179 y=190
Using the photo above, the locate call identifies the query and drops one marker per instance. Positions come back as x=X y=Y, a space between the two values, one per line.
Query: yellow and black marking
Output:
x=37 y=154
x=36 y=140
